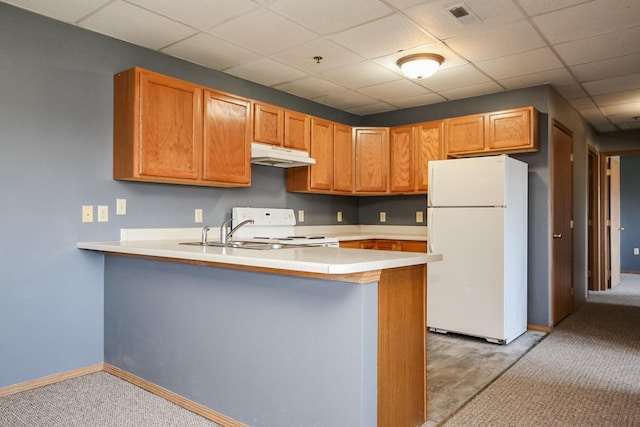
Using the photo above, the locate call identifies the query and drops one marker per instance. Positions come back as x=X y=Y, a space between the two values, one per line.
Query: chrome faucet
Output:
x=204 y=234
x=225 y=233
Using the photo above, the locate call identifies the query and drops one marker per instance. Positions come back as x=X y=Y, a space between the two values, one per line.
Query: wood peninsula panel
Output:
x=402 y=343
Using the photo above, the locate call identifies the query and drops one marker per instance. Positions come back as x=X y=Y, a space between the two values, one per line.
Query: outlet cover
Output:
x=121 y=206
x=339 y=216
x=103 y=213
x=198 y=216
x=419 y=216
x=383 y=217
x=87 y=213
x=636 y=251
x=300 y=215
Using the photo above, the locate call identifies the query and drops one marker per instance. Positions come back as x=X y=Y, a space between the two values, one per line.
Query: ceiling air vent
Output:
x=463 y=15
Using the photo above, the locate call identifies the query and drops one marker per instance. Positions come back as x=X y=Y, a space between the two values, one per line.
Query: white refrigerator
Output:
x=477 y=218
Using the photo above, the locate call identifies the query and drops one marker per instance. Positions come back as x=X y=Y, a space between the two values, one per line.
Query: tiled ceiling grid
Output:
x=588 y=50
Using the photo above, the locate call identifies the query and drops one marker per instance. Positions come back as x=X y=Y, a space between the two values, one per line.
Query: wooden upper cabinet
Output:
x=508 y=131
x=465 y=134
x=429 y=140
x=342 y=158
x=512 y=130
x=321 y=174
x=268 y=124
x=297 y=130
x=157 y=127
x=372 y=159
x=401 y=159
x=227 y=139
x=169 y=130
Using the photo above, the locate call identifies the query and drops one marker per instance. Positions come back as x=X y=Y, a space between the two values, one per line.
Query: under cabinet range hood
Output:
x=270 y=155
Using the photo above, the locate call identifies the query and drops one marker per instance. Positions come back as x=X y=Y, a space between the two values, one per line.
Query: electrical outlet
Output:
x=121 y=206
x=198 y=216
x=339 y=216
x=87 y=213
x=103 y=213
x=383 y=217
x=636 y=251
x=300 y=215
x=419 y=216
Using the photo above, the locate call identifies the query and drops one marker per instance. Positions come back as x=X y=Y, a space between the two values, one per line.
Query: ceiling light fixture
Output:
x=420 y=65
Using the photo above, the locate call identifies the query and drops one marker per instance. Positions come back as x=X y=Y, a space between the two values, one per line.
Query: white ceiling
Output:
x=588 y=50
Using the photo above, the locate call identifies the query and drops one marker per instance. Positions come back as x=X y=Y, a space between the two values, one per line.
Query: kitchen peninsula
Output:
x=287 y=337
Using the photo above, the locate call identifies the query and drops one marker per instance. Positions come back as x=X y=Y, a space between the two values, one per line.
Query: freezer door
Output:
x=477 y=181
x=465 y=291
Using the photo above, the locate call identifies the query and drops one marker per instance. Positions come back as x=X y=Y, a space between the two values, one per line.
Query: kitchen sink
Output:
x=244 y=245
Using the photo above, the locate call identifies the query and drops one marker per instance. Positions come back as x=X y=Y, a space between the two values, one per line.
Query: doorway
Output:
x=607 y=242
x=562 y=223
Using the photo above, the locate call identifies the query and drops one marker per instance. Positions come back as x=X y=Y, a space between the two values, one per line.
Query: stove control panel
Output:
x=264 y=216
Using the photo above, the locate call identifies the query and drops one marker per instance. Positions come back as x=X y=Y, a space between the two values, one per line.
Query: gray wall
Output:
x=630 y=212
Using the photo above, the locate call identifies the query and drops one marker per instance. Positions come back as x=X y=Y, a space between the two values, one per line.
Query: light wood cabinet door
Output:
x=268 y=124
x=413 y=246
x=157 y=128
x=372 y=159
x=227 y=139
x=401 y=159
x=512 y=130
x=342 y=158
x=321 y=174
x=464 y=135
x=297 y=130
x=429 y=138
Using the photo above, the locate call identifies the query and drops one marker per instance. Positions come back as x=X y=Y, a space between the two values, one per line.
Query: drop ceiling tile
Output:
x=617 y=98
x=262 y=31
x=416 y=101
x=211 y=52
x=365 y=110
x=498 y=41
x=598 y=120
x=395 y=90
x=361 y=74
x=557 y=77
x=309 y=87
x=615 y=84
x=585 y=103
x=345 y=100
x=383 y=37
x=588 y=19
x=538 y=7
x=265 y=71
x=333 y=56
x=634 y=124
x=520 y=64
x=611 y=67
x=434 y=16
x=470 y=91
x=630 y=109
x=136 y=25
x=616 y=43
x=330 y=16
x=198 y=13
x=63 y=10
x=572 y=91
x=450 y=78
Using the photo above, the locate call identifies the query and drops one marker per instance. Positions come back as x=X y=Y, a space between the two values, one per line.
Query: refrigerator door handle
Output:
x=430 y=223
x=430 y=193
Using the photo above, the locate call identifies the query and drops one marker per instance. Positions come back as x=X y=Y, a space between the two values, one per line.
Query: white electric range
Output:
x=273 y=225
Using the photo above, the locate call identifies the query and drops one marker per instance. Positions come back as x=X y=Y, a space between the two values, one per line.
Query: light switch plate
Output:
x=198 y=216
x=300 y=215
x=339 y=216
x=383 y=217
x=103 y=213
x=419 y=216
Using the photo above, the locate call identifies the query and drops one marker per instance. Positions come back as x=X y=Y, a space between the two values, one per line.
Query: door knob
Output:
x=557 y=235
x=620 y=228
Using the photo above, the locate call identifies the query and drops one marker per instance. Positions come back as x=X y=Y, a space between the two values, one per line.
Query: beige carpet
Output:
x=585 y=373
x=95 y=400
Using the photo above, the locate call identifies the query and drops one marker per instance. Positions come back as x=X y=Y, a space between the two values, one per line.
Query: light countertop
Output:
x=324 y=260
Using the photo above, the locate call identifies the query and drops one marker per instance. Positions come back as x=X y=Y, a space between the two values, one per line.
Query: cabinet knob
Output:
x=557 y=235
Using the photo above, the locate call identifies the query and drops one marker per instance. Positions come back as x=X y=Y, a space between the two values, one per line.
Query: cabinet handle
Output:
x=557 y=235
